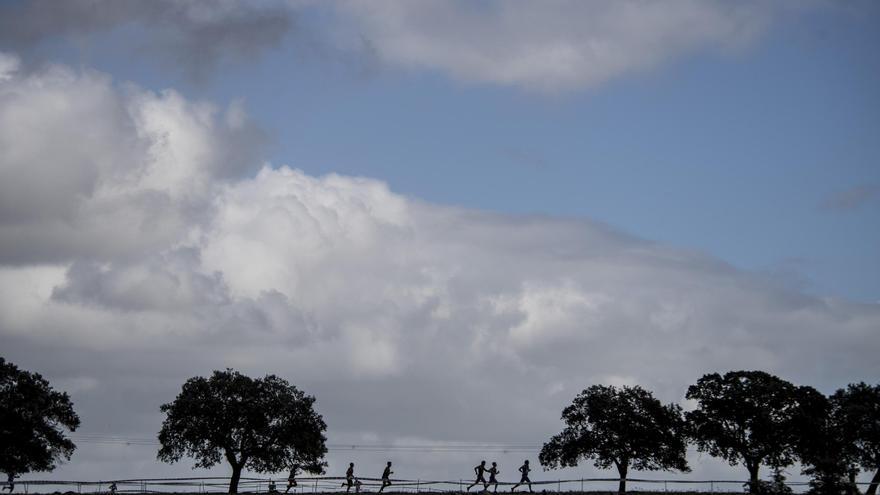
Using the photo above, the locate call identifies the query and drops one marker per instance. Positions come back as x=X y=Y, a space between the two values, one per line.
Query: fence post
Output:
x=712 y=487
x=559 y=486
x=582 y=485
x=316 y=486
x=665 y=488
x=418 y=485
x=460 y=486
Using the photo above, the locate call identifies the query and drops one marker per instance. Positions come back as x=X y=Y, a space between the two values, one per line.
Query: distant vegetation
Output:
x=748 y=418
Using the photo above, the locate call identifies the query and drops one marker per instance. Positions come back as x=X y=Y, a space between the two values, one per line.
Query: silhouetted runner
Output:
x=350 y=480
x=524 y=469
x=10 y=482
x=113 y=488
x=493 y=471
x=479 y=471
x=291 y=478
x=386 y=477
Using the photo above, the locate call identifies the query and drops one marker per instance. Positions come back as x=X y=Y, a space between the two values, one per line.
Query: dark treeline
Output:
x=266 y=425
x=748 y=418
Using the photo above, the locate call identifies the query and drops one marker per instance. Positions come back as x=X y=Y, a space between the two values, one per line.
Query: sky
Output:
x=441 y=219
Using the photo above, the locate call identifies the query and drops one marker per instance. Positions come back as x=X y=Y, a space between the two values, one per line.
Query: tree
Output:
x=857 y=412
x=747 y=417
x=625 y=427
x=265 y=425
x=823 y=445
x=33 y=417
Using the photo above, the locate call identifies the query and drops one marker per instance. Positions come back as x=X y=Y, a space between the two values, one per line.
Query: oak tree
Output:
x=33 y=420
x=264 y=424
x=823 y=445
x=857 y=411
x=747 y=417
x=625 y=427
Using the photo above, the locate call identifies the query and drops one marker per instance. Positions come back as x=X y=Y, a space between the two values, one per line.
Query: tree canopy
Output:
x=623 y=427
x=856 y=410
x=263 y=424
x=748 y=417
x=823 y=445
x=33 y=417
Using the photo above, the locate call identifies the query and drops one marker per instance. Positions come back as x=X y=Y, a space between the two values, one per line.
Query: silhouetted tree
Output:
x=777 y=485
x=823 y=447
x=33 y=417
x=265 y=425
x=624 y=427
x=856 y=410
x=749 y=417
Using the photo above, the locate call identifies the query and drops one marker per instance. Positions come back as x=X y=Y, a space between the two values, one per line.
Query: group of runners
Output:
x=479 y=471
x=352 y=482
x=350 y=479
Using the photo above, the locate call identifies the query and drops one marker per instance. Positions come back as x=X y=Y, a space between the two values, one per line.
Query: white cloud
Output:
x=91 y=171
x=405 y=319
x=9 y=64
x=549 y=46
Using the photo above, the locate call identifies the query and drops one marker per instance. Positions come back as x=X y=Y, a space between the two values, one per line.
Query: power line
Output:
x=433 y=448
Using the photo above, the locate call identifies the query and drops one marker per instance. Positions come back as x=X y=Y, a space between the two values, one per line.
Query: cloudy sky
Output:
x=442 y=219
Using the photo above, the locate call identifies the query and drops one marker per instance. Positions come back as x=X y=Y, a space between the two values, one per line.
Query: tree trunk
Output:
x=236 y=475
x=753 y=476
x=621 y=469
x=872 y=488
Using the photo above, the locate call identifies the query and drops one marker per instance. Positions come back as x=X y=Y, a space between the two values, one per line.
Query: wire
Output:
x=338 y=447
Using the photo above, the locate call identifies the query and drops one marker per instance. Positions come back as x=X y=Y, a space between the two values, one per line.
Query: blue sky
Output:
x=738 y=154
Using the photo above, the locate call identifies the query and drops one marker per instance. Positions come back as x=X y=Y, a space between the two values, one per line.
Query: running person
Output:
x=524 y=469
x=113 y=488
x=479 y=471
x=350 y=480
x=386 y=477
x=10 y=482
x=493 y=471
x=291 y=478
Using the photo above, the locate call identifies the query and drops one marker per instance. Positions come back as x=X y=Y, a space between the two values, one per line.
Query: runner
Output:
x=10 y=482
x=386 y=477
x=350 y=480
x=291 y=478
x=524 y=469
x=113 y=488
x=493 y=471
x=479 y=471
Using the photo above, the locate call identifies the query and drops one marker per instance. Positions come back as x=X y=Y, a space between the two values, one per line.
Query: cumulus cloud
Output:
x=193 y=35
x=90 y=170
x=550 y=46
x=134 y=256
